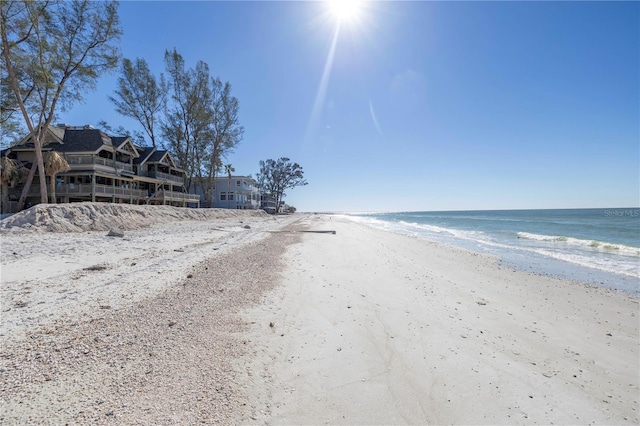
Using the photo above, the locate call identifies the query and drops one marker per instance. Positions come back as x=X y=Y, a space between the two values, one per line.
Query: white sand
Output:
x=361 y=327
x=147 y=340
x=378 y=328
x=58 y=260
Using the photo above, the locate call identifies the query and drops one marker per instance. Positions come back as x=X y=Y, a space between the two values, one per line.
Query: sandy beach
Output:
x=377 y=328
x=245 y=320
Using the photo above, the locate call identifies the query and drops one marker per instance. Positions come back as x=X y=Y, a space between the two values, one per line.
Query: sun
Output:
x=345 y=10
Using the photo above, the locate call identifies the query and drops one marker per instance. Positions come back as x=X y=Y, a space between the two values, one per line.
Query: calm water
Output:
x=598 y=246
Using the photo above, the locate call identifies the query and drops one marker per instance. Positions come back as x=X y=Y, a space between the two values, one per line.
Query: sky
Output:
x=416 y=105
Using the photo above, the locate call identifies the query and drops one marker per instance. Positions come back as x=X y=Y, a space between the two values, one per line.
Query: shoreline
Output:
x=251 y=326
x=373 y=327
x=524 y=259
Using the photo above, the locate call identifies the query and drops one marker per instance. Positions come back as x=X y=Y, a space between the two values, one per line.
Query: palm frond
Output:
x=8 y=169
x=55 y=163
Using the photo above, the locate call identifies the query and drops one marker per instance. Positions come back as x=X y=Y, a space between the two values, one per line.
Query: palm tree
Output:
x=9 y=174
x=54 y=163
x=228 y=168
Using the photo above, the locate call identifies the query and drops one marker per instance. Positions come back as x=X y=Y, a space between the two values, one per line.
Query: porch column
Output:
x=93 y=188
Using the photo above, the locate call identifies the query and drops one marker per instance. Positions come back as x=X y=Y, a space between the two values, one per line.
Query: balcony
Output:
x=174 y=195
x=164 y=195
x=166 y=176
x=85 y=160
x=162 y=176
x=70 y=189
x=84 y=189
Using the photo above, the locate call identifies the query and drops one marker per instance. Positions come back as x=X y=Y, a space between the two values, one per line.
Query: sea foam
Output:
x=601 y=246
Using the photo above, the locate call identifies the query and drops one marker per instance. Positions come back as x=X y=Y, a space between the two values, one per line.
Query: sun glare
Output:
x=345 y=10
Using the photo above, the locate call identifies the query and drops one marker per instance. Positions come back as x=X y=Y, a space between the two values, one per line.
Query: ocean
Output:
x=596 y=246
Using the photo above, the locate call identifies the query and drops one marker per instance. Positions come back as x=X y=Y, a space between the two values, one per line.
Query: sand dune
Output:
x=80 y=217
x=50 y=272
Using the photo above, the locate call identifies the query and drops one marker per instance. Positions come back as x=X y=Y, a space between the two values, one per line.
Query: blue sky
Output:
x=425 y=106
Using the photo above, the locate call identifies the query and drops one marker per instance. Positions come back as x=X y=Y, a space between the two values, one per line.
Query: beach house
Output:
x=268 y=203
x=102 y=168
x=237 y=192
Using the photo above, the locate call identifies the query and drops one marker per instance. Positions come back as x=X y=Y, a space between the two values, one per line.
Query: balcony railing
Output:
x=166 y=176
x=178 y=196
x=85 y=189
x=93 y=160
x=71 y=188
x=124 y=166
x=162 y=176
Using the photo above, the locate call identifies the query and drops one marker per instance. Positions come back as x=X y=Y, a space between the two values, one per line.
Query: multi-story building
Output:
x=103 y=168
x=268 y=203
x=239 y=192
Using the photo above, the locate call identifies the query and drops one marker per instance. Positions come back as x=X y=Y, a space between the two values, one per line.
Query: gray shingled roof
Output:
x=145 y=152
x=117 y=140
x=74 y=140
x=157 y=156
x=89 y=139
x=83 y=140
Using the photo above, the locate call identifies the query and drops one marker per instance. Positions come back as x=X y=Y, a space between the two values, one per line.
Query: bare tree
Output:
x=54 y=51
x=226 y=131
x=198 y=120
x=275 y=177
x=136 y=136
x=187 y=123
x=140 y=96
x=10 y=118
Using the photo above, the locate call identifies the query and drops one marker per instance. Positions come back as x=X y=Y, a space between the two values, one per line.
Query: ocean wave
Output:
x=602 y=256
x=594 y=245
x=628 y=268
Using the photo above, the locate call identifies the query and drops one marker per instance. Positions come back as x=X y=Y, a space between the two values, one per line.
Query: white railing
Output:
x=79 y=159
x=166 y=176
x=183 y=196
x=118 y=190
x=124 y=166
x=84 y=188
x=91 y=159
x=179 y=195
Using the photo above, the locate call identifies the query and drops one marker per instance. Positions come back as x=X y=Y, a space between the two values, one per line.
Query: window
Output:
x=230 y=194
x=223 y=196
x=237 y=183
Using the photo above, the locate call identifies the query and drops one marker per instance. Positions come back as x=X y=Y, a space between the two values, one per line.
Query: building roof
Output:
x=84 y=140
x=224 y=177
x=73 y=139
x=64 y=138
x=145 y=153
x=157 y=156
